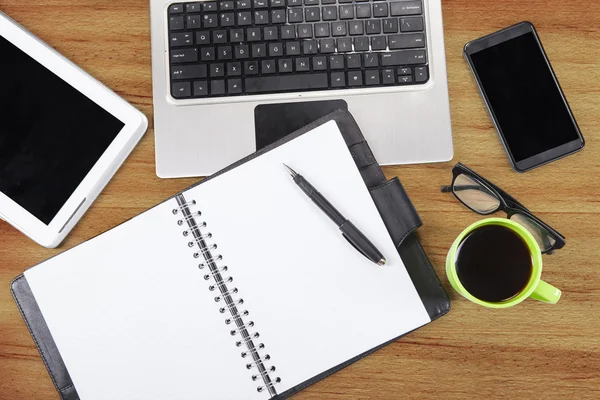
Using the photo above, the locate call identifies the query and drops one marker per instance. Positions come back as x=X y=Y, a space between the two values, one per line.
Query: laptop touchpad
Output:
x=274 y=121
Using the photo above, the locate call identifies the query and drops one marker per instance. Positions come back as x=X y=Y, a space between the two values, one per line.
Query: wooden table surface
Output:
x=532 y=350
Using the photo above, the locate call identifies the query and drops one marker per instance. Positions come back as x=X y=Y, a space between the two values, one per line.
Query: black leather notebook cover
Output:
x=397 y=212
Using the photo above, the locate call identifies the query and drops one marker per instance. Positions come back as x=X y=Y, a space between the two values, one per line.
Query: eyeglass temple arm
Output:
x=448 y=189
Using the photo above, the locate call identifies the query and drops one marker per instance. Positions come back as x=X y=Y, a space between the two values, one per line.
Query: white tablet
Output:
x=63 y=135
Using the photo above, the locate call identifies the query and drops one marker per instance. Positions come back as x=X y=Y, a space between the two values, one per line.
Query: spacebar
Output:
x=285 y=83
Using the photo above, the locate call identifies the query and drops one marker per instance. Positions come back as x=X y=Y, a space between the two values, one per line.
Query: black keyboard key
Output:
x=311 y=2
x=285 y=65
x=277 y=3
x=411 y=24
x=344 y=1
x=371 y=60
x=261 y=4
x=421 y=74
x=261 y=17
x=226 y=5
x=372 y=77
x=344 y=45
x=338 y=80
x=407 y=41
x=234 y=69
x=217 y=70
x=227 y=19
x=305 y=31
x=234 y=86
x=327 y=46
x=243 y=5
x=346 y=11
x=406 y=8
x=295 y=15
x=327 y=2
x=193 y=22
x=380 y=10
x=210 y=21
x=270 y=33
x=176 y=23
x=378 y=43
x=356 y=28
x=209 y=6
x=322 y=30
x=219 y=37
x=294 y=3
x=253 y=34
x=192 y=7
x=181 y=89
x=286 y=83
x=363 y=11
x=181 y=39
x=319 y=63
x=312 y=14
x=201 y=88
x=302 y=64
x=207 y=54
x=309 y=47
x=292 y=48
x=388 y=76
x=188 y=72
x=404 y=71
x=390 y=25
x=217 y=87
x=251 y=67
x=361 y=44
x=241 y=51
x=268 y=67
x=184 y=55
x=288 y=32
x=236 y=35
x=407 y=57
x=275 y=49
x=176 y=9
x=278 y=16
x=224 y=53
x=339 y=28
x=353 y=61
x=259 y=50
x=329 y=13
x=244 y=18
x=336 y=62
x=355 y=78
x=202 y=38
x=405 y=79
x=373 y=27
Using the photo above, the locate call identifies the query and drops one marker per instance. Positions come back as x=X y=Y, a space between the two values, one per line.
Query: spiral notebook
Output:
x=237 y=288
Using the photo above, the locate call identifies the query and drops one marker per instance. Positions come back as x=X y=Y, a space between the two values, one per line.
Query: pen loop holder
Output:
x=226 y=295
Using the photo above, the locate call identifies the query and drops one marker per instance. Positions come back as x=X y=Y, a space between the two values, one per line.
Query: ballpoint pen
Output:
x=349 y=230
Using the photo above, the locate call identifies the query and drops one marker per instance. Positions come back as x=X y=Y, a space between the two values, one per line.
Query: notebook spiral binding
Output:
x=216 y=273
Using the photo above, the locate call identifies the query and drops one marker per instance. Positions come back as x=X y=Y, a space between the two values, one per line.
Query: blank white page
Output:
x=315 y=301
x=133 y=317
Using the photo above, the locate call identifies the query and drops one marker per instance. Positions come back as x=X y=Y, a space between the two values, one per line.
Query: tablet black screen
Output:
x=51 y=135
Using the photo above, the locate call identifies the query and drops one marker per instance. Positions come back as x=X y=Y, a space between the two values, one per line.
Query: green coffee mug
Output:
x=536 y=288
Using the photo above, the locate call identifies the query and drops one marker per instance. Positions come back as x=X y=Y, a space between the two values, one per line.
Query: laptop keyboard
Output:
x=249 y=47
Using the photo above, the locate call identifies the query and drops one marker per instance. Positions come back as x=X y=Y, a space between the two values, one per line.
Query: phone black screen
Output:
x=522 y=93
x=51 y=135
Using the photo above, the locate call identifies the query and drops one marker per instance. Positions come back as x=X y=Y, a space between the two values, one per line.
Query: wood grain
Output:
x=533 y=350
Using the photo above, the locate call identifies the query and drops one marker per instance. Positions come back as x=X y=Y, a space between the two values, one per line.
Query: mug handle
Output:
x=546 y=293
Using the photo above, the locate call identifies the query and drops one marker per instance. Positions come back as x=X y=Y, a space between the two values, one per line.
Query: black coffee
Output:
x=493 y=263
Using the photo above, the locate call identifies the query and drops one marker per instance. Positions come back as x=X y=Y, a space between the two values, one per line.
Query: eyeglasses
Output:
x=483 y=197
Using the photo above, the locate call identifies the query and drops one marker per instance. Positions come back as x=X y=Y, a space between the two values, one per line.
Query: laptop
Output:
x=221 y=68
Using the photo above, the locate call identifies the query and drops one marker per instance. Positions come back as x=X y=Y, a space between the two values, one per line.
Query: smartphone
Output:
x=527 y=105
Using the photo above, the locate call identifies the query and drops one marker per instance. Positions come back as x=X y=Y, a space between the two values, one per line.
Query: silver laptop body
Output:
x=403 y=124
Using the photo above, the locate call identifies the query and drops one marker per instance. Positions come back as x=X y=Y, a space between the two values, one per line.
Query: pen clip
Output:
x=353 y=245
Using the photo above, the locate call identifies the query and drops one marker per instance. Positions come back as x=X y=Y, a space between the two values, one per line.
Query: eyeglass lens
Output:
x=474 y=195
x=541 y=235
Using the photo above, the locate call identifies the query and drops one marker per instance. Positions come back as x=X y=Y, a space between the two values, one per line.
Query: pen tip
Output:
x=381 y=262
x=291 y=171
